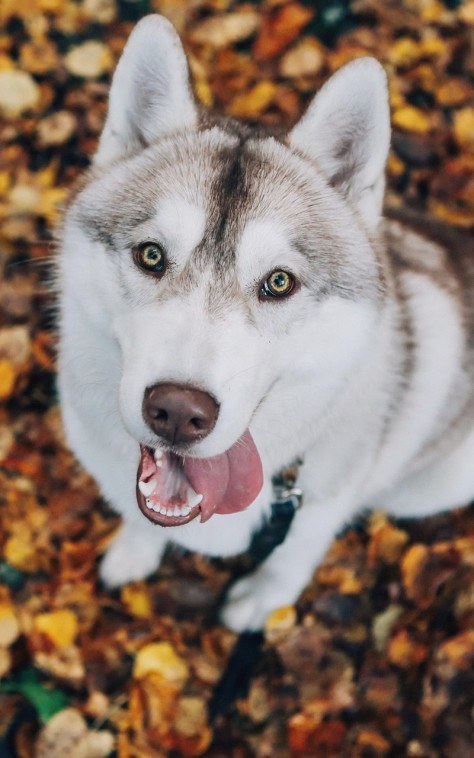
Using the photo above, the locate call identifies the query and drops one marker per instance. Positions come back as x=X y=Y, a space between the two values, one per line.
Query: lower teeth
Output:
x=185 y=510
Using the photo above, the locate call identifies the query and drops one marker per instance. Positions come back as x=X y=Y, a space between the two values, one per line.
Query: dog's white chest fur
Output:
x=231 y=301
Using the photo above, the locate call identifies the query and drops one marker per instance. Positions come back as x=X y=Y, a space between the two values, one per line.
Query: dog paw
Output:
x=248 y=604
x=130 y=557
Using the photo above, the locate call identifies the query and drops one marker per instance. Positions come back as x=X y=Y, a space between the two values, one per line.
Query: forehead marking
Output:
x=181 y=224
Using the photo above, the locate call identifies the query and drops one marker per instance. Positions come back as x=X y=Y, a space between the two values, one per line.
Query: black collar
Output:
x=287 y=499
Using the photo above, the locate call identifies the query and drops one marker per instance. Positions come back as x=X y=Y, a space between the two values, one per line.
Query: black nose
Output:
x=178 y=413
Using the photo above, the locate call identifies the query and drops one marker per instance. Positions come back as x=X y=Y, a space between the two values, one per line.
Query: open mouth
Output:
x=172 y=490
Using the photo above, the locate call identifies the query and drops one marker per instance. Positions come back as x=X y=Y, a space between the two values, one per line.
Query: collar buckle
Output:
x=284 y=486
x=284 y=494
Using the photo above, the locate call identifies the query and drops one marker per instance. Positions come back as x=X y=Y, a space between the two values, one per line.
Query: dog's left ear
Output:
x=150 y=95
x=346 y=131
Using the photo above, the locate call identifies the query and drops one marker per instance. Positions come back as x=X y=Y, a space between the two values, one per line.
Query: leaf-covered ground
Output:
x=377 y=659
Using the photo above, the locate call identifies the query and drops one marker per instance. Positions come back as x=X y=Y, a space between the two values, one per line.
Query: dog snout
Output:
x=178 y=413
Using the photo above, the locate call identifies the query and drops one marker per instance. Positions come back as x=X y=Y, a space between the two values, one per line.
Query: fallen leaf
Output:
x=60 y=626
x=253 y=102
x=279 y=29
x=464 y=127
x=412 y=119
x=89 y=60
x=305 y=59
x=68 y=736
x=279 y=623
x=18 y=92
x=160 y=658
x=221 y=31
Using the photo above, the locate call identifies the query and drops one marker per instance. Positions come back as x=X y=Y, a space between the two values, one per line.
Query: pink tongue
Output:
x=228 y=482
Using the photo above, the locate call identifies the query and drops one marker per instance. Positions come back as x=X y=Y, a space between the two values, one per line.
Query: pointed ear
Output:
x=346 y=131
x=151 y=94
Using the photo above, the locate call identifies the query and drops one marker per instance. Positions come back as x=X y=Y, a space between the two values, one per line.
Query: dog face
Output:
x=236 y=271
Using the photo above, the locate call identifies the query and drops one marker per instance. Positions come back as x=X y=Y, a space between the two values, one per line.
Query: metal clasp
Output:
x=284 y=494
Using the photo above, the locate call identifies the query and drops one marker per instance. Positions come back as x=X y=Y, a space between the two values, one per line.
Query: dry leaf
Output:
x=67 y=735
x=60 y=626
x=160 y=658
x=89 y=60
x=18 y=93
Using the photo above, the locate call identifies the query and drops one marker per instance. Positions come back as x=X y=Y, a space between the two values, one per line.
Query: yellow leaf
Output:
x=20 y=552
x=387 y=542
x=459 y=217
x=412 y=119
x=433 y=46
x=137 y=600
x=51 y=200
x=5 y=181
x=7 y=379
x=255 y=101
x=160 y=658
x=404 y=52
x=396 y=167
x=464 y=126
x=404 y=652
x=279 y=624
x=454 y=92
x=413 y=563
x=203 y=92
x=60 y=626
x=9 y=627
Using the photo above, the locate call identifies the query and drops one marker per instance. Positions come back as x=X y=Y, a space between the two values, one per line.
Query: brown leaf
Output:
x=279 y=29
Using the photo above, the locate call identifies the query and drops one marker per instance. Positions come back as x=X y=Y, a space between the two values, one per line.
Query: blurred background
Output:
x=377 y=657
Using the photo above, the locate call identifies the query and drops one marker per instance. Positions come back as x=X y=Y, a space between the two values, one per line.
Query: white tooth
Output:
x=158 y=454
x=159 y=464
x=193 y=498
x=146 y=488
x=155 y=508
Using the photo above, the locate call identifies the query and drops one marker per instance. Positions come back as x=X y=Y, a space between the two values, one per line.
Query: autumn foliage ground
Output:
x=377 y=658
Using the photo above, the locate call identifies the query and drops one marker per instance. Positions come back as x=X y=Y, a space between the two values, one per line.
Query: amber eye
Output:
x=278 y=284
x=150 y=257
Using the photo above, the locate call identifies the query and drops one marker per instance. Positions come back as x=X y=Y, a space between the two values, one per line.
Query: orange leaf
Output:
x=280 y=29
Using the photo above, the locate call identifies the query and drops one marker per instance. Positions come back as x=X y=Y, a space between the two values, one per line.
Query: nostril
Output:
x=198 y=423
x=158 y=414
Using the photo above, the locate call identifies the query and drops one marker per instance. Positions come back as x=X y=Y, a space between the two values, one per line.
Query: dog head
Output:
x=237 y=271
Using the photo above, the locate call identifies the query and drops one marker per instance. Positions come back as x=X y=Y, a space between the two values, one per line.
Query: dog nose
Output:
x=178 y=413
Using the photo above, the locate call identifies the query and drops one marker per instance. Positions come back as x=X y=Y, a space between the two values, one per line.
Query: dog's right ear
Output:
x=150 y=95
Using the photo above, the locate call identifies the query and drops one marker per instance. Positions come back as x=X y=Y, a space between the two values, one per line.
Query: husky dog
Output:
x=231 y=301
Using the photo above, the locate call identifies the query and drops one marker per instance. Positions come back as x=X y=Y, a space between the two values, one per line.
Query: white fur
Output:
x=314 y=375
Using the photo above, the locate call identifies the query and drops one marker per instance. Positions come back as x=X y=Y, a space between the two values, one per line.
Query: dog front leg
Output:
x=106 y=450
x=283 y=575
x=134 y=554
